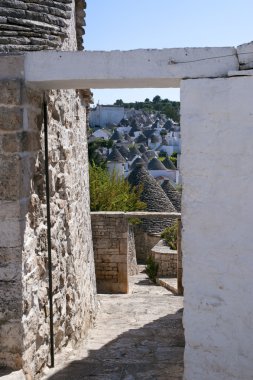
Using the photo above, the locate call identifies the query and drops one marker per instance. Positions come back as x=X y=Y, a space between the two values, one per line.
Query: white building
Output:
x=102 y=134
x=106 y=115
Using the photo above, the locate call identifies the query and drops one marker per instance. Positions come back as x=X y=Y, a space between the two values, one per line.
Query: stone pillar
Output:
x=15 y=165
x=24 y=317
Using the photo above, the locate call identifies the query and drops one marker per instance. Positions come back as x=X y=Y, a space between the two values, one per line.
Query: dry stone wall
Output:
x=166 y=259
x=24 y=310
x=144 y=242
x=132 y=259
x=41 y=24
x=110 y=241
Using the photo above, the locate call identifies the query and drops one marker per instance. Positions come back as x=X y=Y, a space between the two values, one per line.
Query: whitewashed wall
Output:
x=103 y=115
x=168 y=174
x=217 y=169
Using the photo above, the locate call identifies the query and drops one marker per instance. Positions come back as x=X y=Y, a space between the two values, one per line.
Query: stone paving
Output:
x=138 y=336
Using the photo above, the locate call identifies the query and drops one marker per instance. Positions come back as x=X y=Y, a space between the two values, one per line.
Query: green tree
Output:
x=157 y=99
x=94 y=156
x=119 y=102
x=111 y=192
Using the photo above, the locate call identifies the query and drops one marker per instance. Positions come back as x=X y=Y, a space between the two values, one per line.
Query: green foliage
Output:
x=162 y=154
x=94 y=157
x=179 y=188
x=119 y=102
x=170 y=236
x=173 y=159
x=163 y=132
x=110 y=192
x=151 y=268
x=157 y=99
x=170 y=108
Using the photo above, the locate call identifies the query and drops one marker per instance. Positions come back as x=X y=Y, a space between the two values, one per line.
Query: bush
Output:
x=173 y=159
x=151 y=268
x=111 y=192
x=170 y=236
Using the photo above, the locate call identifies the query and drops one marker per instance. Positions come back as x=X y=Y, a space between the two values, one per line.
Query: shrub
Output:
x=111 y=192
x=170 y=236
x=151 y=268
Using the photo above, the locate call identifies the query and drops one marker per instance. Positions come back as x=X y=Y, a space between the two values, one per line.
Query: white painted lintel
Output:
x=139 y=68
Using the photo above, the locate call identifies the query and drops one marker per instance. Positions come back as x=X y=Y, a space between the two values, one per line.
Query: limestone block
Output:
x=12 y=66
x=20 y=142
x=10 y=300
x=10 y=92
x=15 y=174
x=11 y=119
x=34 y=118
x=11 y=233
x=10 y=263
x=11 y=337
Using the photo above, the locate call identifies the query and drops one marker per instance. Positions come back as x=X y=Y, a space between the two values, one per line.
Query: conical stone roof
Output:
x=124 y=151
x=135 y=126
x=115 y=156
x=156 y=164
x=173 y=195
x=155 y=125
x=142 y=148
x=138 y=162
x=135 y=150
x=116 y=135
x=148 y=133
x=150 y=154
x=141 y=139
x=168 y=125
x=131 y=132
x=127 y=137
x=145 y=158
x=169 y=164
x=154 y=139
x=154 y=197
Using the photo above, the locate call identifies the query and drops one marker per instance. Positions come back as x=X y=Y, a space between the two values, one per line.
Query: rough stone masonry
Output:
x=24 y=307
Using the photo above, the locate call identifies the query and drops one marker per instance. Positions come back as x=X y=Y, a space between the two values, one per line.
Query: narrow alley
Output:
x=138 y=336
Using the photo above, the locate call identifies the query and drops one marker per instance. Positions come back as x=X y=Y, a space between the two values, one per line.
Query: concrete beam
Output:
x=140 y=68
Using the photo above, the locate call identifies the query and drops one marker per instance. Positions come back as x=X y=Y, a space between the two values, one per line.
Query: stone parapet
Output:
x=166 y=259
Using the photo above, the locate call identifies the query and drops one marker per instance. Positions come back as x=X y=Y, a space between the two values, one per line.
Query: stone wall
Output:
x=217 y=227
x=110 y=242
x=38 y=25
x=166 y=259
x=132 y=260
x=144 y=242
x=24 y=310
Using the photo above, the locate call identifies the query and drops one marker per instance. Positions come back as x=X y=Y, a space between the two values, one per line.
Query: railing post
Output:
x=180 y=288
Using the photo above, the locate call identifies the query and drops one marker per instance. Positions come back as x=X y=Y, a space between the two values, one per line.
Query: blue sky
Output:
x=133 y=24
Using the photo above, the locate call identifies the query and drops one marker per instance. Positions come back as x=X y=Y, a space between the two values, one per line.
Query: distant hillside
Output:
x=170 y=108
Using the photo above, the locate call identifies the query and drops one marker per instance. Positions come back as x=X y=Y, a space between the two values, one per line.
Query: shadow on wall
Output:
x=154 y=351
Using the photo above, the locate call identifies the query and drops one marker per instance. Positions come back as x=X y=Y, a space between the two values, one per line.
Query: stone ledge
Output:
x=137 y=214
